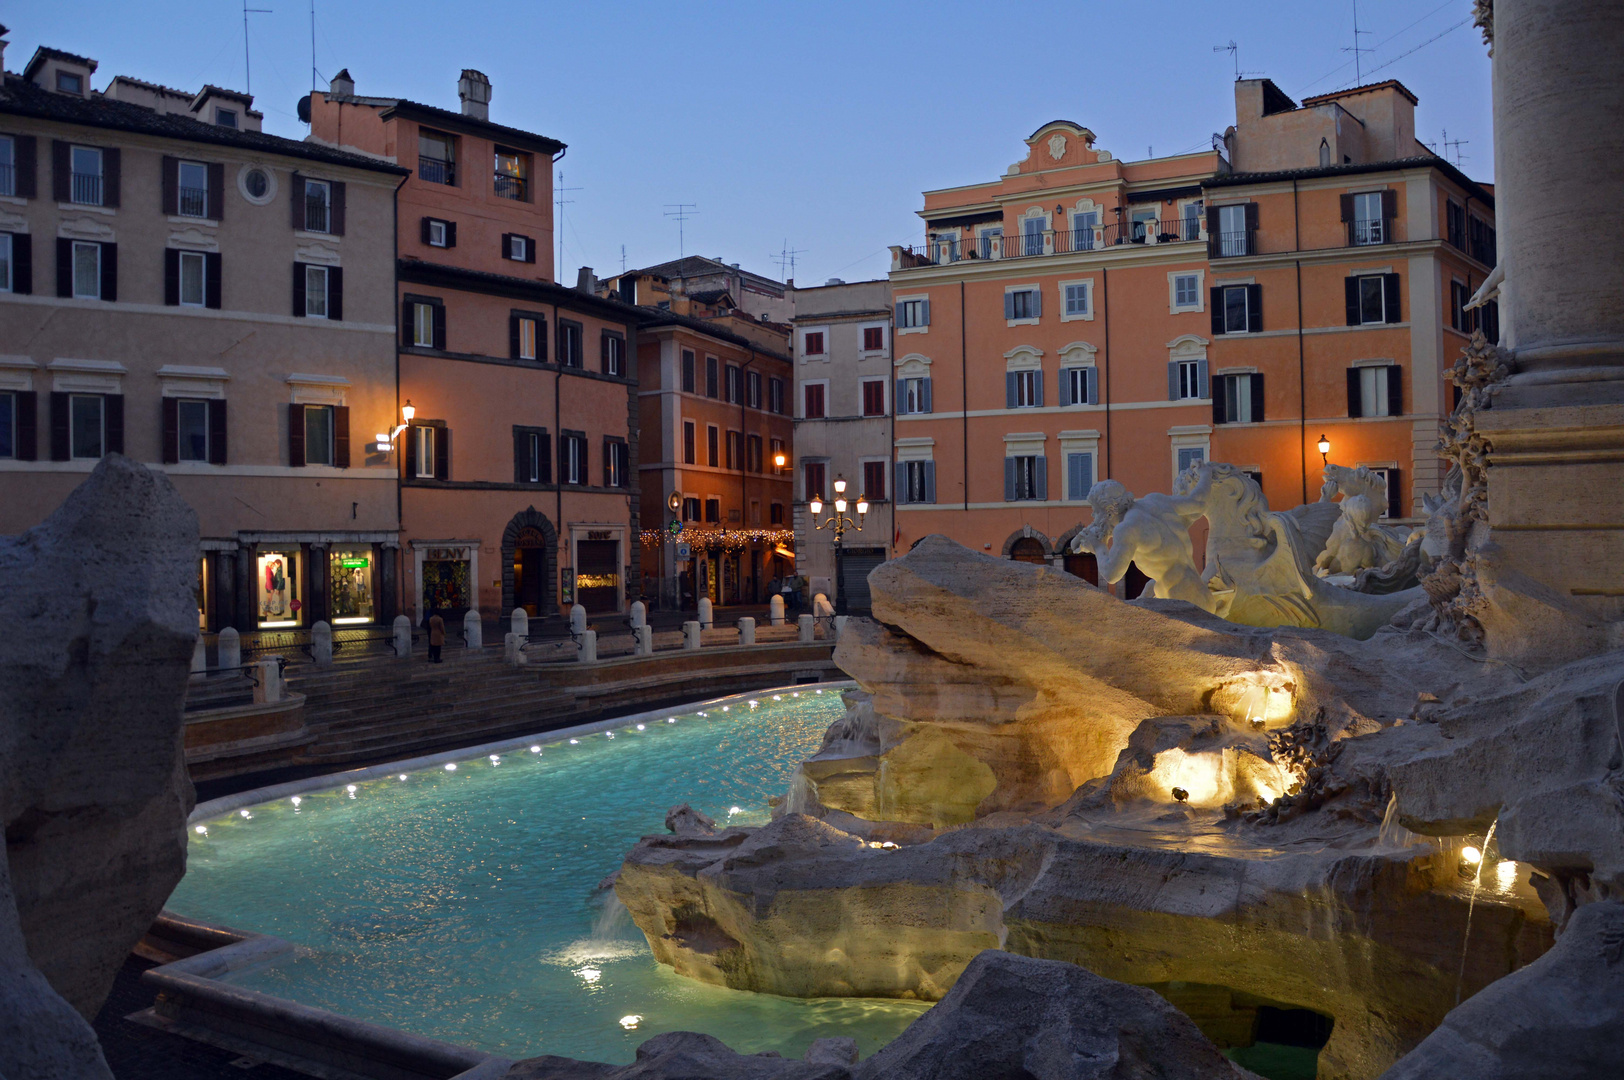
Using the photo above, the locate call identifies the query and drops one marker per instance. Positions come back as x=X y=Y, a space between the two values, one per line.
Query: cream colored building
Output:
x=212 y=301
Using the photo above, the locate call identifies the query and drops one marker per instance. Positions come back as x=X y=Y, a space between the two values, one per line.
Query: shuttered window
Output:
x=1079 y=475
x=1237 y=399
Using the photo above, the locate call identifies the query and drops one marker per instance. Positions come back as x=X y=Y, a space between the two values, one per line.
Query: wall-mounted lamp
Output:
x=1325 y=450
x=386 y=443
x=408 y=410
x=779 y=460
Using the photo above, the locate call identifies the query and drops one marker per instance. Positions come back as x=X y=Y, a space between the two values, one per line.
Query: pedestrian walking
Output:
x=436 y=637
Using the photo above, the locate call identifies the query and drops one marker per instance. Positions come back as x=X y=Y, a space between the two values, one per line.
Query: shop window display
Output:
x=349 y=575
x=445 y=580
x=279 y=591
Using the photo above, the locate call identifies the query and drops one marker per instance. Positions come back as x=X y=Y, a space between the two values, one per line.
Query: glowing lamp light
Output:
x=201 y=831
x=350 y=788
x=295 y=800
x=1506 y=874
x=1324 y=448
x=840 y=504
x=575 y=742
x=862 y=505
x=779 y=461
x=1470 y=855
x=495 y=760
x=725 y=708
x=589 y=975
x=816 y=506
x=840 y=485
x=403 y=776
x=451 y=766
x=245 y=814
x=407 y=411
x=734 y=810
x=630 y=1022
x=608 y=734
x=778 y=697
x=640 y=727
x=673 y=720
x=754 y=703
x=535 y=749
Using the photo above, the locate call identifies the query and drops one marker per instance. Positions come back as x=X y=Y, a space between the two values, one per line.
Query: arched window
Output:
x=1028 y=549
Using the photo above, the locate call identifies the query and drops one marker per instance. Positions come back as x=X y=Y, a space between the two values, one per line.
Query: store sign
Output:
x=354 y=564
x=600 y=534
x=445 y=555
x=684 y=551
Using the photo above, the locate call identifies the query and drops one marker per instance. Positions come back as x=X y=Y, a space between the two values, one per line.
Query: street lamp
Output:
x=386 y=441
x=779 y=460
x=839 y=522
x=1325 y=450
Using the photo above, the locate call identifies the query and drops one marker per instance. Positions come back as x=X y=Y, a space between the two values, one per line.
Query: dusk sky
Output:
x=814 y=126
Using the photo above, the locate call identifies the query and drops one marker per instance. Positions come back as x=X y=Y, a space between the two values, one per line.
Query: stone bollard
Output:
x=705 y=620
x=821 y=606
x=775 y=610
x=510 y=642
x=690 y=634
x=229 y=646
x=473 y=629
x=403 y=637
x=805 y=622
x=321 y=643
x=840 y=626
x=200 y=658
x=577 y=620
x=747 y=631
x=268 y=688
x=639 y=614
x=645 y=640
x=519 y=623
x=589 y=647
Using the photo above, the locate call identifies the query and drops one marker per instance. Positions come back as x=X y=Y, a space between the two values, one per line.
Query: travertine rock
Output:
x=682 y=1055
x=684 y=820
x=100 y=619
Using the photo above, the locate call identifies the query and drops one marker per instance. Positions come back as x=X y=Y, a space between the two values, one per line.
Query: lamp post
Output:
x=1325 y=450
x=839 y=522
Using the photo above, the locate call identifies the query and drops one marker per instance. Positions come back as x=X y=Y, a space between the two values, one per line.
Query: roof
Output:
x=1428 y=161
x=154 y=87
x=699 y=265
x=1052 y=123
x=1320 y=99
x=45 y=52
x=19 y=97
x=210 y=90
x=438 y=117
x=438 y=275
x=657 y=317
x=712 y=296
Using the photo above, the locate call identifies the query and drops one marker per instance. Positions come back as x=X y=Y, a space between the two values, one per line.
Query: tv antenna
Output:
x=786 y=260
x=682 y=211
x=622 y=258
x=247 y=73
x=562 y=202
x=1452 y=146
x=1234 y=52
x=1358 y=53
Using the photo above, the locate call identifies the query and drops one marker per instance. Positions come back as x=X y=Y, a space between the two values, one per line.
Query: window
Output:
x=257 y=182
x=436 y=157
x=1190 y=457
x=1455 y=223
x=813 y=396
x=752 y=453
x=192 y=192
x=1079 y=386
x=1238 y=399
x=526 y=334
x=916 y=481
x=1032 y=235
x=873 y=481
x=8 y=425
x=752 y=388
x=712 y=445
x=1369 y=224
x=873 y=338
x=713 y=510
x=1078 y=301
x=873 y=397
x=735 y=385
x=985 y=238
x=318 y=435
x=569 y=343
x=6 y=280
x=1373 y=298
x=1395 y=501
x=812 y=343
x=1026 y=478
x=1237 y=309
x=423 y=459
x=1235 y=224
x=87 y=272
x=318 y=204
x=691 y=510
x=86 y=168
x=1023 y=304
x=193 y=271
x=688 y=454
x=814 y=475
x=1480 y=242
x=776 y=448
x=1023 y=389
x=423 y=325
x=711 y=377
x=572 y=458
x=687 y=371
x=1143 y=220
x=87 y=414
x=735 y=449
x=1083 y=224
x=439 y=233
x=225 y=117
x=511 y=172
x=775 y=514
x=69 y=82
x=1187 y=379
x=8 y=165
x=1460 y=318
x=775 y=396
x=913 y=314
x=518 y=247
x=614 y=354
x=616 y=463
x=1375 y=390
x=1190 y=220
x=1079 y=475
x=1186 y=290
x=532 y=460
x=913 y=396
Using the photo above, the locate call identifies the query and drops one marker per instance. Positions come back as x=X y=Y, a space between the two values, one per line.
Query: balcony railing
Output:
x=510 y=187
x=87 y=189
x=1063 y=241
x=194 y=201
x=435 y=171
x=1229 y=244
x=1370 y=231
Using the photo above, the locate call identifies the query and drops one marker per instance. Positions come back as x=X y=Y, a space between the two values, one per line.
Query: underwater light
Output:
x=201 y=831
x=608 y=734
x=451 y=766
x=754 y=703
x=575 y=742
x=294 y=800
x=535 y=749
x=495 y=760
x=403 y=776
x=778 y=697
x=1506 y=874
x=639 y=727
x=673 y=720
x=630 y=1022
x=244 y=813
x=1471 y=855
x=350 y=788
x=734 y=810
x=725 y=708
x=589 y=975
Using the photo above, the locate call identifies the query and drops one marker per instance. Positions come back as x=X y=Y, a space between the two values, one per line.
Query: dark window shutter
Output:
x=1202 y=382
x=930 y=481
x=1173 y=380
x=1395 y=500
x=335 y=221
x=1347 y=216
x=1215 y=304
x=211 y=279
x=608 y=449
x=341 y=436
x=1391 y=299
x=1389 y=212
x=451 y=234
x=64 y=267
x=521 y=456
x=298 y=290
x=896 y=316
x=423 y=232
x=170 y=185
x=408 y=324
x=217 y=432
x=439 y=326
x=541 y=338
x=109 y=268
x=1395 y=390
x=1037 y=303
x=1356 y=402
x=529 y=249
x=408 y=463
x=1009 y=305
x=603 y=353
x=61 y=176
x=1093 y=377
x=1350 y=292
x=217 y=191
x=171 y=277
x=60 y=447
x=513 y=336
x=1064 y=397
x=507 y=245
x=1009 y=389
x=113 y=423
x=900 y=491
x=112 y=170
x=335 y=293
x=1251 y=218
x=296 y=435
x=296 y=195
x=1009 y=479
x=22 y=264
x=898 y=398
x=1212 y=232
x=171 y=432
x=925 y=398
x=442 y=454
x=1257 y=397
x=1218 y=395
x=1254 y=308
x=1042 y=464
x=28 y=426
x=26 y=149
x=544 y=448
x=925 y=312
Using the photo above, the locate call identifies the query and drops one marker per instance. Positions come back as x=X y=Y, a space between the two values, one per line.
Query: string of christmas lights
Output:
x=719 y=539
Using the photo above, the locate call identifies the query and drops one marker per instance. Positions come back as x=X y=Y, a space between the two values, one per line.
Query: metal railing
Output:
x=8 y=179
x=1063 y=241
x=87 y=189
x=435 y=171
x=194 y=201
x=315 y=213
x=1230 y=244
x=1370 y=231
x=510 y=187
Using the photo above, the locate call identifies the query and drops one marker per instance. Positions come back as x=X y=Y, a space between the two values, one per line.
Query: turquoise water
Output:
x=462 y=904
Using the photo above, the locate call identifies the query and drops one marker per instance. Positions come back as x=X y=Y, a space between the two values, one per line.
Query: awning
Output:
x=784 y=552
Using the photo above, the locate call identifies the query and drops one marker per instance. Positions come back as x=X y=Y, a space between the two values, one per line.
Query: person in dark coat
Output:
x=436 y=637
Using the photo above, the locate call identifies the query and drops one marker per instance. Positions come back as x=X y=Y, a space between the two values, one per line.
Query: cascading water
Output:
x=1477 y=882
x=882 y=781
x=1393 y=834
x=800 y=791
x=612 y=921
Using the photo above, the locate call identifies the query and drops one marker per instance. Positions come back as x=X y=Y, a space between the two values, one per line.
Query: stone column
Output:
x=577 y=620
x=519 y=623
x=775 y=609
x=403 y=637
x=639 y=615
x=473 y=630
x=247 y=605
x=705 y=619
x=318 y=590
x=388 y=582
x=321 y=643
x=806 y=626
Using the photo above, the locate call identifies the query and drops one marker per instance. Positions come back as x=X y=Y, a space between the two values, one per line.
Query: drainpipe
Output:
x=400 y=513
x=558 y=469
x=1302 y=369
x=964 y=395
x=1105 y=315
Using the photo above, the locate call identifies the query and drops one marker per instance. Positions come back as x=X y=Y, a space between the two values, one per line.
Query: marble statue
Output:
x=1152 y=533
x=1358 y=540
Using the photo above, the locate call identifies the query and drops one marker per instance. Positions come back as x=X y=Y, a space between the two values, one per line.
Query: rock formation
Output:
x=100 y=619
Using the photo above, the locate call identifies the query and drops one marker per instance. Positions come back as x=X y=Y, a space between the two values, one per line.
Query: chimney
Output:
x=586 y=281
x=475 y=91
x=341 y=85
x=3 y=43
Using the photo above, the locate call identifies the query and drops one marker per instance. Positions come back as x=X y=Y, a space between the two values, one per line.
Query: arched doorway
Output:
x=1028 y=549
x=530 y=570
x=1084 y=565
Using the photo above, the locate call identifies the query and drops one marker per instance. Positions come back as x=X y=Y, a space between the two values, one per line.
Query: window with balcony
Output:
x=986 y=238
x=512 y=175
x=318 y=204
x=812 y=398
x=1026 y=478
x=86 y=178
x=1238 y=399
x=1368 y=219
x=1032 y=230
x=873 y=397
x=1375 y=390
x=1235 y=227
x=1190 y=220
x=436 y=157
x=1144 y=223
x=8 y=165
x=1023 y=389
x=192 y=194
x=913 y=396
x=1237 y=309
x=1083 y=224
x=1373 y=298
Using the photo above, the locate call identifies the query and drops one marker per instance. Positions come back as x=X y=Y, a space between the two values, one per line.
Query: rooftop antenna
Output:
x=312 y=48
x=247 y=74
x=1452 y=146
x=682 y=211
x=786 y=260
x=562 y=202
x=1358 y=69
x=622 y=258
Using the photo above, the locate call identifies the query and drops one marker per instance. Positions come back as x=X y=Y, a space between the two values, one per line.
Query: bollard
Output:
x=821 y=606
x=229 y=646
x=510 y=644
x=840 y=626
x=775 y=610
x=805 y=623
x=473 y=629
x=589 y=647
x=519 y=623
x=705 y=620
x=321 y=643
x=645 y=640
x=268 y=689
x=690 y=634
x=200 y=659
x=577 y=619
x=403 y=637
x=639 y=614
x=747 y=631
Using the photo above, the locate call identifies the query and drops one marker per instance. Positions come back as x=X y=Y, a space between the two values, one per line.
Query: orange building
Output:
x=1094 y=318
x=518 y=428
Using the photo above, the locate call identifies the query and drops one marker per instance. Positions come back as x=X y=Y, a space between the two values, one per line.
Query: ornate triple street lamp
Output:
x=838 y=520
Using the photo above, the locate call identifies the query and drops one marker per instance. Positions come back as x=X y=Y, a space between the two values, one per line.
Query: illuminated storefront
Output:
x=279 y=588
x=351 y=585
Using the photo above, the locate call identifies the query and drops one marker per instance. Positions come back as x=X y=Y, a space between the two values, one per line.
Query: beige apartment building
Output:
x=212 y=301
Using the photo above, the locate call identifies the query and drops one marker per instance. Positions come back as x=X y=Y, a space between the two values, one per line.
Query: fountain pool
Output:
x=462 y=903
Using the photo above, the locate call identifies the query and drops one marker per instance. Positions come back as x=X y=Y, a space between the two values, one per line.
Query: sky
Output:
x=804 y=126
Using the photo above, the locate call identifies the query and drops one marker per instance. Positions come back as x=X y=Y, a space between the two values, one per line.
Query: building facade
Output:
x=216 y=303
x=846 y=398
x=516 y=461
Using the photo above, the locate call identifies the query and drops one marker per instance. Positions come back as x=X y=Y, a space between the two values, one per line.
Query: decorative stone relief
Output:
x=316 y=253
x=85 y=228
x=194 y=238
x=1057 y=146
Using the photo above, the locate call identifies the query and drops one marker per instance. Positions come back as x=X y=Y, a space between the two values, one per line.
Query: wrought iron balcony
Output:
x=510 y=187
x=436 y=171
x=1062 y=241
x=87 y=189
x=193 y=201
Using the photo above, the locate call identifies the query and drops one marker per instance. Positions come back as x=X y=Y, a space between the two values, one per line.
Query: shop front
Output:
x=599 y=567
x=279 y=587
x=446 y=573
x=352 y=585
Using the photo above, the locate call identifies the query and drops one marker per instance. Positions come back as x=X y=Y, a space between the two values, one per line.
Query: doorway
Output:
x=1030 y=550
x=1083 y=565
x=597 y=575
x=530 y=571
